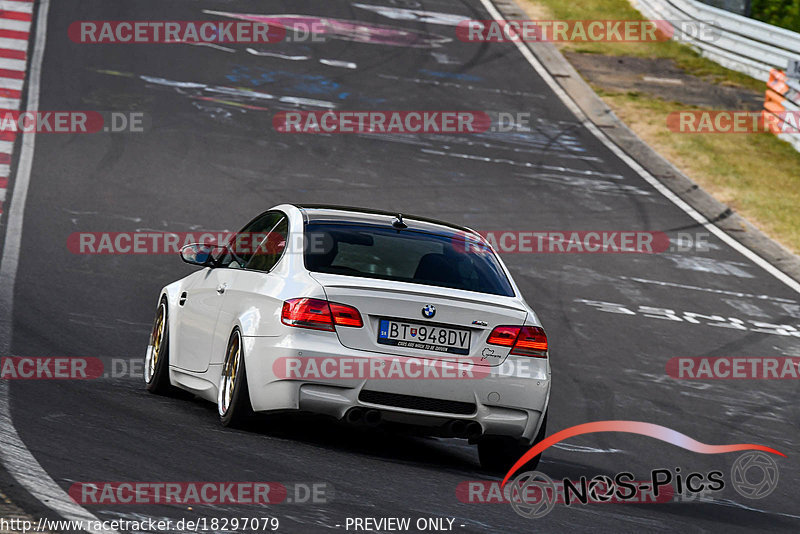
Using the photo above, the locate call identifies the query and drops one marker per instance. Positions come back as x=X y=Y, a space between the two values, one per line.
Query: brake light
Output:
x=523 y=340
x=346 y=315
x=319 y=314
x=532 y=341
x=307 y=313
x=503 y=335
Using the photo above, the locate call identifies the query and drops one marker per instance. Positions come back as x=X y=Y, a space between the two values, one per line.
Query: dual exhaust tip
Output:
x=359 y=416
x=456 y=428
x=464 y=429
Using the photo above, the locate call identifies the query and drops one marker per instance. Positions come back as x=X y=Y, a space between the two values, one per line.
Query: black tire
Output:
x=498 y=453
x=156 y=362
x=233 y=404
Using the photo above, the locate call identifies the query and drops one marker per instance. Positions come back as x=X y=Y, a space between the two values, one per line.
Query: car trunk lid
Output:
x=460 y=313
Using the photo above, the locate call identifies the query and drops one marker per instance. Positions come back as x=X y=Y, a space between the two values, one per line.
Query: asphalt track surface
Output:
x=205 y=164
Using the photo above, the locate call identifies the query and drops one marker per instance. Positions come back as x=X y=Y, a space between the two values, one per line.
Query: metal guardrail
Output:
x=738 y=43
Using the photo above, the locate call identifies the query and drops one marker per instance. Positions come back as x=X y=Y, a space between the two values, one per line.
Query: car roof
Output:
x=349 y=214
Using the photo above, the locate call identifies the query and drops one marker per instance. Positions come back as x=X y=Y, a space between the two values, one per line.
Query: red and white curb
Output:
x=15 y=28
x=15 y=457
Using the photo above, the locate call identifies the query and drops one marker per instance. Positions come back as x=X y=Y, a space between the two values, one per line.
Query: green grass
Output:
x=755 y=174
x=684 y=56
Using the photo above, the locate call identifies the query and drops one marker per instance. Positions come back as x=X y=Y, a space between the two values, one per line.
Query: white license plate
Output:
x=424 y=336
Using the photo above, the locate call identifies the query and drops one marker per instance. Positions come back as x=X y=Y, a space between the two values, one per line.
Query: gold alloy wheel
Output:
x=156 y=341
x=229 y=372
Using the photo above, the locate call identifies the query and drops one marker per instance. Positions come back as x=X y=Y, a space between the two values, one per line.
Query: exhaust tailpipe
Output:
x=372 y=417
x=458 y=428
x=464 y=429
x=354 y=416
x=473 y=430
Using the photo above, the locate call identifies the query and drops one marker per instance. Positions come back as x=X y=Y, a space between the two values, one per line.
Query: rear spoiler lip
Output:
x=422 y=291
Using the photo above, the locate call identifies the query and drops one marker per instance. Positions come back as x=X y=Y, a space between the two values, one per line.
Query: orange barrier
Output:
x=775 y=100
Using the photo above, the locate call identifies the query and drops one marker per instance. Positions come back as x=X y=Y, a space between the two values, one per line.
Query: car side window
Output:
x=254 y=239
x=271 y=248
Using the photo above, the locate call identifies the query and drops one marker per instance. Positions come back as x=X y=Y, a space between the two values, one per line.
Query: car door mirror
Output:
x=199 y=254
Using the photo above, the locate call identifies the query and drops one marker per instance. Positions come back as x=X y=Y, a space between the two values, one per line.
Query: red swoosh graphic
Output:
x=633 y=427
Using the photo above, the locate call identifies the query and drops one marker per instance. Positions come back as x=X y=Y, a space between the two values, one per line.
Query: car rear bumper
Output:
x=507 y=400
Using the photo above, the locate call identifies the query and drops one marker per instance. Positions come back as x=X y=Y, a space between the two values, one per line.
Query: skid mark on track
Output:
x=585 y=181
x=552 y=136
x=521 y=163
x=217 y=100
x=524 y=144
x=588 y=187
x=456 y=85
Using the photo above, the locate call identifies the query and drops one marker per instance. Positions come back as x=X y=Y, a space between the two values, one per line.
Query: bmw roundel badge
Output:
x=429 y=311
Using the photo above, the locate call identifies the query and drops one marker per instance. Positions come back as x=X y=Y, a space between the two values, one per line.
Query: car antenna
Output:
x=398 y=222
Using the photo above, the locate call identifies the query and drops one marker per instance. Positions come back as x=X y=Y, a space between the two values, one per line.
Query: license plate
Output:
x=424 y=337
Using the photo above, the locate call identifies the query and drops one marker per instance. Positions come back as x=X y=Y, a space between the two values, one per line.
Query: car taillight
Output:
x=504 y=335
x=319 y=314
x=307 y=313
x=532 y=341
x=523 y=340
x=346 y=315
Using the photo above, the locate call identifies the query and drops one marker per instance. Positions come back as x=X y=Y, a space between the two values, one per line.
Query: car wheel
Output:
x=156 y=361
x=233 y=400
x=498 y=453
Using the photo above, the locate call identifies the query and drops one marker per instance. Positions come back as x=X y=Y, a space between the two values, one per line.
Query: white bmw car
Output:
x=266 y=328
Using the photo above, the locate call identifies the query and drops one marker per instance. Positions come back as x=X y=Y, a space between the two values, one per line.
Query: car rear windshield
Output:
x=404 y=256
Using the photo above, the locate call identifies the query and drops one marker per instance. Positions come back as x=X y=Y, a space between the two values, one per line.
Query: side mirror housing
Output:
x=198 y=254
